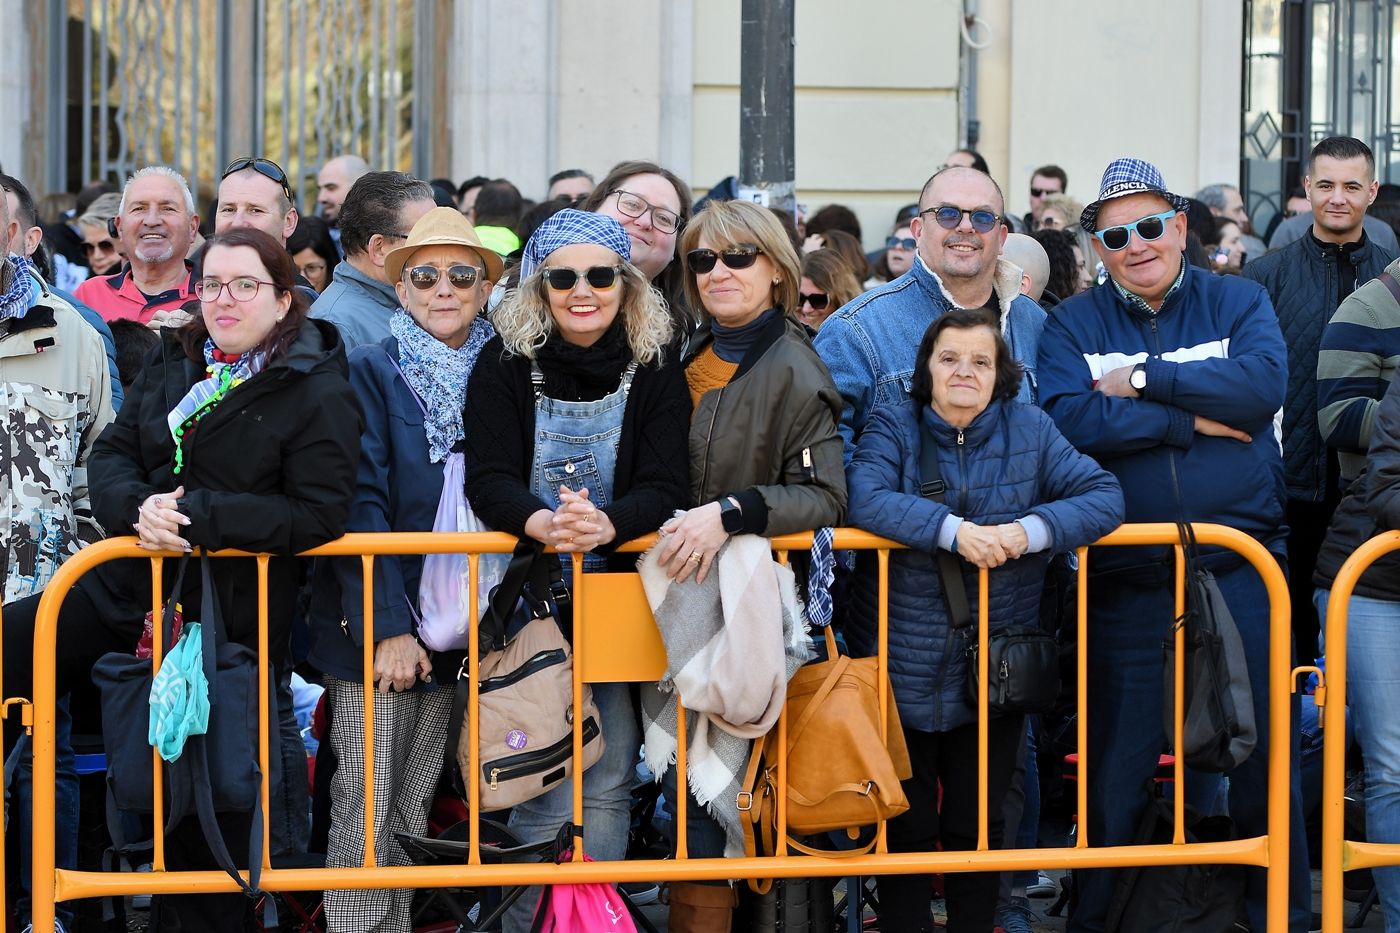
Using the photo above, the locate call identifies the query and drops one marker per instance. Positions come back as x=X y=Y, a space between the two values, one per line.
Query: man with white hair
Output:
x=156 y=223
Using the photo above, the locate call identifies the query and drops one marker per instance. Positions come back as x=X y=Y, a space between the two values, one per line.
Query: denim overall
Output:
x=576 y=446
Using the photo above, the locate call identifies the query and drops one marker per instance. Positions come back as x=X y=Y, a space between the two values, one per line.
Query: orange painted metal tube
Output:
x=1266 y=851
x=1338 y=854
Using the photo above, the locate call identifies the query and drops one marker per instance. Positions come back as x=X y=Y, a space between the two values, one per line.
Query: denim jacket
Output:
x=869 y=345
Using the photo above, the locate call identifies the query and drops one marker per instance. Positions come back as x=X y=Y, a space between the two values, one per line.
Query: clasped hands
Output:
x=576 y=525
x=159 y=522
x=989 y=546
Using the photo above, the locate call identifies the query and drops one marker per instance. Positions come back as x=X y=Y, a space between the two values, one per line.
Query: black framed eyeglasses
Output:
x=459 y=275
x=264 y=167
x=949 y=218
x=818 y=300
x=599 y=278
x=702 y=261
x=636 y=206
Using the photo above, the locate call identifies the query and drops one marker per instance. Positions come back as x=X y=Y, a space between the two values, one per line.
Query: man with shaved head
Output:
x=334 y=182
x=1029 y=256
x=869 y=344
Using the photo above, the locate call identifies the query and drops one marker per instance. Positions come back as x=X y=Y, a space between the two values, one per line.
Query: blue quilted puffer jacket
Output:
x=1010 y=462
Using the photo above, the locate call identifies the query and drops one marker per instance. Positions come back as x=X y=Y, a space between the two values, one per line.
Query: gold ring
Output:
x=696 y=556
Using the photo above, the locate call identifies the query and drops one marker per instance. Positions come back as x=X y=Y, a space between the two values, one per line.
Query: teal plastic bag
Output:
x=179 y=696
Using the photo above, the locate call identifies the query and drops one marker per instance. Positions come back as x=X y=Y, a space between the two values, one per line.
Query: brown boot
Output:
x=701 y=908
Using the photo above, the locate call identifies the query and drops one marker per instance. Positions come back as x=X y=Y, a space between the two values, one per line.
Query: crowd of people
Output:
x=618 y=359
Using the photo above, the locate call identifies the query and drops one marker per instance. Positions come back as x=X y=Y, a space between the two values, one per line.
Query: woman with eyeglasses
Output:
x=412 y=388
x=240 y=432
x=575 y=426
x=103 y=251
x=653 y=206
x=898 y=257
x=827 y=283
x=313 y=251
x=765 y=454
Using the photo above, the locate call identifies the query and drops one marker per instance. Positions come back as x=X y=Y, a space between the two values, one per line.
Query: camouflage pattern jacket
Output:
x=56 y=399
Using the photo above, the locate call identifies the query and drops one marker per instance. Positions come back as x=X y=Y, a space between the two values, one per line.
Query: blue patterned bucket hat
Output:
x=1129 y=176
x=571 y=226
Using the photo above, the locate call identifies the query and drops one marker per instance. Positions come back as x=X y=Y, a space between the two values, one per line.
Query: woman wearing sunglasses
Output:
x=827 y=283
x=766 y=457
x=412 y=388
x=576 y=425
x=653 y=206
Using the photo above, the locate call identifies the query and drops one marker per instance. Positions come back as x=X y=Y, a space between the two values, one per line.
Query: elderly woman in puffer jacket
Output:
x=1017 y=493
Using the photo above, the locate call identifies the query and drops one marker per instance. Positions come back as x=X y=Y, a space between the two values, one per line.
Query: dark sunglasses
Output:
x=458 y=276
x=264 y=167
x=701 y=261
x=104 y=246
x=900 y=242
x=563 y=279
x=1042 y=192
x=949 y=218
x=817 y=300
x=1148 y=228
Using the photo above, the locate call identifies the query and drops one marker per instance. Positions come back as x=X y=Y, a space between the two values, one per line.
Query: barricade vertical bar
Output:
x=577 y=731
x=264 y=714
x=42 y=840
x=882 y=675
x=474 y=793
x=157 y=771
x=1179 y=702
x=367 y=658
x=1280 y=716
x=781 y=846
x=1081 y=837
x=982 y=711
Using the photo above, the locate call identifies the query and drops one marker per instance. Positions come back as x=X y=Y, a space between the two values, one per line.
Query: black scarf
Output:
x=584 y=374
x=731 y=343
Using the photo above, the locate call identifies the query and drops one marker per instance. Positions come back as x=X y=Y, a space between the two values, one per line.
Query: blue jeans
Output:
x=607 y=797
x=1128 y=621
x=65 y=808
x=1373 y=693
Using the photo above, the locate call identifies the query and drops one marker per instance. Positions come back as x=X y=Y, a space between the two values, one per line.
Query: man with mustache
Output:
x=869 y=344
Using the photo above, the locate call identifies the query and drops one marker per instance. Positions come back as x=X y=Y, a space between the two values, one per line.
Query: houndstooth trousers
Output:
x=409 y=732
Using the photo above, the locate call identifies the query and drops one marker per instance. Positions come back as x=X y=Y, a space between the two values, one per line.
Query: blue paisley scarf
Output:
x=439 y=375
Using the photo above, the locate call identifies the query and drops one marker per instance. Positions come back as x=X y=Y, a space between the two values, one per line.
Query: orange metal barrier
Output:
x=627 y=620
x=1338 y=853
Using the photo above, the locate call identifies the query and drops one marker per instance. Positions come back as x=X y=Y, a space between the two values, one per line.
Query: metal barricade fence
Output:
x=627 y=620
x=1339 y=854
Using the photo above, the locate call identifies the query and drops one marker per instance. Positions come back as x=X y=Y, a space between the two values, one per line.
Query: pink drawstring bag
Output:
x=581 y=908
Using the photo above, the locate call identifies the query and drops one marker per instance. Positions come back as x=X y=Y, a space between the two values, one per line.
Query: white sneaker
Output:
x=1044 y=886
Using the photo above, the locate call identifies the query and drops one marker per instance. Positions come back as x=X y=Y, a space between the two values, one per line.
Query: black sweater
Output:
x=652 y=477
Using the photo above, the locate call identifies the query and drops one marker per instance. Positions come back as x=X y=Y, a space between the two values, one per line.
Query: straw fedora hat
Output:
x=441 y=226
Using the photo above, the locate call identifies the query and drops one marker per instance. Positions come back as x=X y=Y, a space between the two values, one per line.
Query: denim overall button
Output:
x=569 y=467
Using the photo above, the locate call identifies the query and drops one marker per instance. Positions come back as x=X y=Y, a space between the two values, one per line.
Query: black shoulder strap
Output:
x=1390 y=283
x=931 y=486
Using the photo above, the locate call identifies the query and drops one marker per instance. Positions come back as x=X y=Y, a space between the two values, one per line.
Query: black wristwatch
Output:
x=731 y=516
x=1138 y=377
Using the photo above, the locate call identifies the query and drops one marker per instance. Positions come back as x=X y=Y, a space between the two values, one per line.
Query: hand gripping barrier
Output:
x=1338 y=853
x=611 y=610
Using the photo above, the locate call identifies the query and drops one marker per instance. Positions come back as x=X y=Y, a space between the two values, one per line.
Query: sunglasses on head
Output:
x=701 y=261
x=563 y=279
x=900 y=242
x=264 y=167
x=817 y=300
x=950 y=218
x=458 y=276
x=1148 y=228
x=1042 y=192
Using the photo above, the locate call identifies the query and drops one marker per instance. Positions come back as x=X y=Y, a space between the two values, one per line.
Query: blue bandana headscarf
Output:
x=571 y=226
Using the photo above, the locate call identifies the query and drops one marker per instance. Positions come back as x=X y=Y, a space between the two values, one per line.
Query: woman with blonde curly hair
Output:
x=576 y=428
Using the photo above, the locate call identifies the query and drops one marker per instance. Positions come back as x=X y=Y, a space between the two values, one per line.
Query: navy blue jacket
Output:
x=1012 y=462
x=1213 y=349
x=396 y=489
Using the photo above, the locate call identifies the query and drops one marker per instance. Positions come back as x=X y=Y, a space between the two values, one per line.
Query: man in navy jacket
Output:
x=1170 y=377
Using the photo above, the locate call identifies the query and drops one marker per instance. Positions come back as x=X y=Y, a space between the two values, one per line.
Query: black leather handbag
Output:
x=1023 y=661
